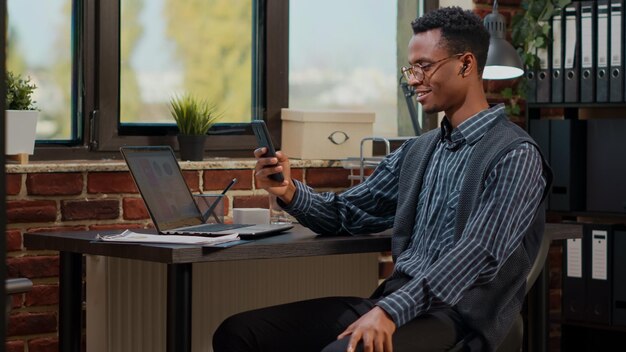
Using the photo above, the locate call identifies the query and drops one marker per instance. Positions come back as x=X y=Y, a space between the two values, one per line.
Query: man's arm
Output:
x=366 y=208
x=505 y=210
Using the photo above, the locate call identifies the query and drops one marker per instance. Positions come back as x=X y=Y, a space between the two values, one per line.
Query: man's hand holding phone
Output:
x=266 y=166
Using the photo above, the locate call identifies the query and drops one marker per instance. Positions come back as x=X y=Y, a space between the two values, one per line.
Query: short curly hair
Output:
x=463 y=31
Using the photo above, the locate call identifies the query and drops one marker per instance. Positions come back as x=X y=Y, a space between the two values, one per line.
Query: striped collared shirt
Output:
x=440 y=270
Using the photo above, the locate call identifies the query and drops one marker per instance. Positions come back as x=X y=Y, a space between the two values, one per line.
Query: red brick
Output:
x=192 y=178
x=31 y=211
x=14 y=346
x=57 y=229
x=17 y=300
x=497 y=85
x=46 y=184
x=251 y=202
x=217 y=180
x=384 y=269
x=42 y=295
x=500 y=2
x=14 y=240
x=507 y=13
x=14 y=184
x=32 y=323
x=327 y=177
x=104 y=227
x=46 y=344
x=224 y=200
x=110 y=182
x=296 y=174
x=134 y=209
x=551 y=112
x=554 y=300
x=33 y=266
x=98 y=209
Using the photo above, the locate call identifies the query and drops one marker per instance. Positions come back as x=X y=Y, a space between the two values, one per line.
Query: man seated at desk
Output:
x=464 y=202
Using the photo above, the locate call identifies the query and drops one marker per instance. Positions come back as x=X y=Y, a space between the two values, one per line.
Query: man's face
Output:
x=438 y=88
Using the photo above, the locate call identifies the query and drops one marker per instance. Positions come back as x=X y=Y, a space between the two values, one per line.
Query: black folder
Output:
x=618 y=311
x=543 y=74
x=597 y=240
x=602 y=52
x=587 y=51
x=616 y=80
x=571 y=35
x=567 y=158
x=531 y=85
x=557 y=59
x=574 y=293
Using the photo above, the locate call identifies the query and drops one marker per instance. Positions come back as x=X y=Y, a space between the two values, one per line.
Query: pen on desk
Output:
x=211 y=209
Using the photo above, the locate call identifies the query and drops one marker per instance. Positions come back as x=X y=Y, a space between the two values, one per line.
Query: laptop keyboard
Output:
x=216 y=227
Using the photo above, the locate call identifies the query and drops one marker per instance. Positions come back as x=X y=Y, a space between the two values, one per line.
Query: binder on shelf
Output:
x=531 y=85
x=618 y=307
x=574 y=293
x=543 y=74
x=587 y=45
x=557 y=58
x=598 y=241
x=571 y=64
x=568 y=160
x=616 y=80
x=602 y=52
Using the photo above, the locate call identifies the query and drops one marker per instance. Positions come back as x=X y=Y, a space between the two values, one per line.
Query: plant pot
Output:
x=21 y=130
x=191 y=147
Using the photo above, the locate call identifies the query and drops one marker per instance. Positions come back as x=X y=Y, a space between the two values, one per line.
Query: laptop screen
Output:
x=162 y=186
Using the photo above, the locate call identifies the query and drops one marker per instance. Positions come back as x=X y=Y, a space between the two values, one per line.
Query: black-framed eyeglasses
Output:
x=417 y=71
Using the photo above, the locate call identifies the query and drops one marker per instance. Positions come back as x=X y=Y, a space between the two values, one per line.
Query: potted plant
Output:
x=21 y=115
x=194 y=117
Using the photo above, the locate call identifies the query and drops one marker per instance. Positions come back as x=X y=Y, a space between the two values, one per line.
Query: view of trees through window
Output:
x=39 y=47
x=172 y=47
x=342 y=55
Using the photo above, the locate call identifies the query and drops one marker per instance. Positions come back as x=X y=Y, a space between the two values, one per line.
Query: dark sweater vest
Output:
x=488 y=309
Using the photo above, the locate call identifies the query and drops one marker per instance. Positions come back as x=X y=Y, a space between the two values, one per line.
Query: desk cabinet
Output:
x=126 y=299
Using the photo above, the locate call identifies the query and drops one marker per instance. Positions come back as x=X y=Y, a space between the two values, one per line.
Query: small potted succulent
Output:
x=21 y=115
x=194 y=117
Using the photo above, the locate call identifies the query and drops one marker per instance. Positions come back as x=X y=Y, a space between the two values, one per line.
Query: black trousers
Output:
x=314 y=325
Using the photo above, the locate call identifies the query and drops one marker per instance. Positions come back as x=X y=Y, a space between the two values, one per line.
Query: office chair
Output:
x=514 y=339
x=15 y=286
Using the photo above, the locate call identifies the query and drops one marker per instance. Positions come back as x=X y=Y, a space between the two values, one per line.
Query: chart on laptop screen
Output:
x=163 y=187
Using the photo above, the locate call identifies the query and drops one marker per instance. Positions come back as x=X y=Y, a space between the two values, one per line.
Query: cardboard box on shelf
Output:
x=325 y=134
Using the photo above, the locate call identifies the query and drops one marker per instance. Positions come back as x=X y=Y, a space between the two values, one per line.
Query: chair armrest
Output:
x=19 y=285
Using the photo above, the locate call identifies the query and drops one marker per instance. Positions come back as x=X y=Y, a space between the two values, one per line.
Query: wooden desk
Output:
x=300 y=242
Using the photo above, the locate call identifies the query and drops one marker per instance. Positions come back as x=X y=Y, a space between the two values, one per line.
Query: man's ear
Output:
x=469 y=63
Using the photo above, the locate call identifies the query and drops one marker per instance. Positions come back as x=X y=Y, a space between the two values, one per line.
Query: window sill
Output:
x=118 y=165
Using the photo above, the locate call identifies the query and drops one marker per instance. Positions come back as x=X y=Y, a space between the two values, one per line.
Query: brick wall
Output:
x=96 y=200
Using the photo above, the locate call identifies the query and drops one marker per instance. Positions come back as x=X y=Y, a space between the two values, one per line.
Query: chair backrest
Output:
x=14 y=286
x=540 y=261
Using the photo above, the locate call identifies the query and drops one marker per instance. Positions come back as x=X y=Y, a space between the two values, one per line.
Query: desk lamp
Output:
x=503 y=62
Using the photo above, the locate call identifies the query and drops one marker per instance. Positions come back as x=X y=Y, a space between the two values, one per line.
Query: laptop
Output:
x=170 y=202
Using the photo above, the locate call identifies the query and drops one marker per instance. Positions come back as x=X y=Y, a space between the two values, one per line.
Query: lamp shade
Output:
x=503 y=62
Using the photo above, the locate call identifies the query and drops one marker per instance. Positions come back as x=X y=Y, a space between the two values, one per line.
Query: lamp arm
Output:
x=408 y=93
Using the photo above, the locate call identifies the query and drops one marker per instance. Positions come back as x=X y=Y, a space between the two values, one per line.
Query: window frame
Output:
x=97 y=78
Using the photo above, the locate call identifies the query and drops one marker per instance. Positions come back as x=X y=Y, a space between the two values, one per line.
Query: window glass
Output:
x=39 y=47
x=342 y=55
x=173 y=47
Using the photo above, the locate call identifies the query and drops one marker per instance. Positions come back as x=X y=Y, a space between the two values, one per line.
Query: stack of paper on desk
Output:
x=130 y=236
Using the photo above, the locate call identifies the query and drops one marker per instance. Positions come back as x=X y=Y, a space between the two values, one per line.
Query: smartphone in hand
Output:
x=264 y=140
